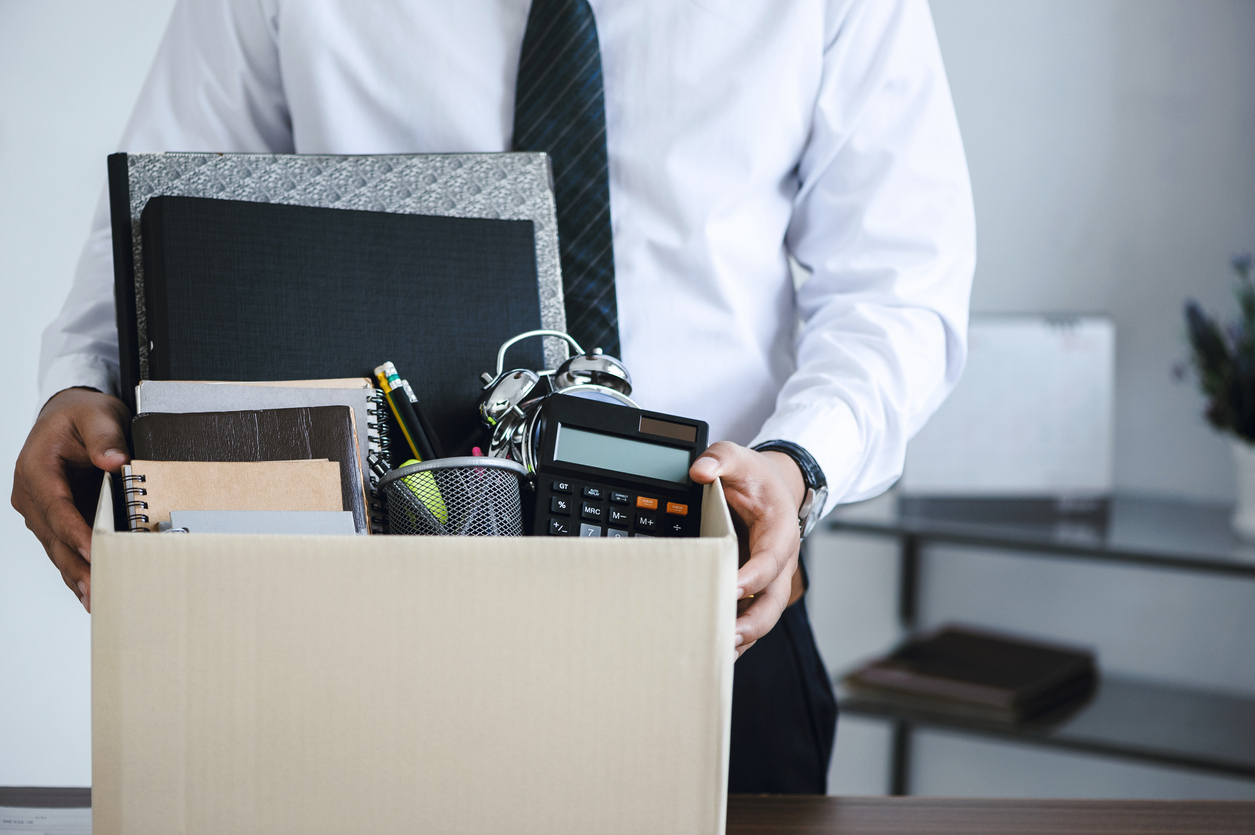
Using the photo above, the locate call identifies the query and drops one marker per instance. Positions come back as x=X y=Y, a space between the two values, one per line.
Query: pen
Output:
x=422 y=485
x=418 y=433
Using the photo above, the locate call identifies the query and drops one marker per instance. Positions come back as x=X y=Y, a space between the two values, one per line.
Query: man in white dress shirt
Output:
x=738 y=134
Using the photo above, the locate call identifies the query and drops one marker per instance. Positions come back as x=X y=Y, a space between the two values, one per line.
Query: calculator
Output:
x=609 y=470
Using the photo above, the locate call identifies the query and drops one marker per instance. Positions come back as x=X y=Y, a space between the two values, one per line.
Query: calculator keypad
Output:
x=591 y=510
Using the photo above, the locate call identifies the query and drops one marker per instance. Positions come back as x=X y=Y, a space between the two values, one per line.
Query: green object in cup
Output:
x=423 y=486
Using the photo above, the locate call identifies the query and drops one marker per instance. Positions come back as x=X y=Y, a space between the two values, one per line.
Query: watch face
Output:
x=812 y=508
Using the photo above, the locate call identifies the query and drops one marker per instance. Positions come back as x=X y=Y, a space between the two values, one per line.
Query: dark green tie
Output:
x=559 y=108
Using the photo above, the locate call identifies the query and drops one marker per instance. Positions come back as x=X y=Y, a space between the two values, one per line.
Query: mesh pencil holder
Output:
x=455 y=497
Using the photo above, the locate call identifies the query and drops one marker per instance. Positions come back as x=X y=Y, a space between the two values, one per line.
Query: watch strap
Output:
x=812 y=474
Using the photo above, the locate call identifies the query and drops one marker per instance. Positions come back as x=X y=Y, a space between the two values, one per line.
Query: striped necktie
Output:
x=559 y=108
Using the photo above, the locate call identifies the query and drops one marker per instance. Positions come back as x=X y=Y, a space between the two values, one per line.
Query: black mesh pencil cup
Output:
x=455 y=497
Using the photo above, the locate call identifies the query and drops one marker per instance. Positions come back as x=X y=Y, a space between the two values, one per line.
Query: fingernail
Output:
x=87 y=555
x=82 y=589
x=109 y=452
x=706 y=461
x=740 y=593
x=740 y=639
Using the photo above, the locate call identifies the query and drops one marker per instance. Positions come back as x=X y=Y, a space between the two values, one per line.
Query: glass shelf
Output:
x=1126 y=718
x=1127 y=528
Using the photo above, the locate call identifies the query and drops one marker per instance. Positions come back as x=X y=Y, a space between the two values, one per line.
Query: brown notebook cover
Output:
x=154 y=488
x=974 y=673
x=261 y=435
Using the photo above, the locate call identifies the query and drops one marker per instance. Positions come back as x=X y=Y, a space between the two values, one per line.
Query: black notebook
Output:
x=244 y=291
x=979 y=675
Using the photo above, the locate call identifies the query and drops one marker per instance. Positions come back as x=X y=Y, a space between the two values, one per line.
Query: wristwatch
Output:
x=816 y=485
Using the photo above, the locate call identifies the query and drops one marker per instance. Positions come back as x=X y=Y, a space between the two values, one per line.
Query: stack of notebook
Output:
x=249 y=267
x=974 y=674
x=267 y=450
x=254 y=267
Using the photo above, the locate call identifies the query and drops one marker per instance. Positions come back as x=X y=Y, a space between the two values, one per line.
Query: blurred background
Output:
x=1112 y=151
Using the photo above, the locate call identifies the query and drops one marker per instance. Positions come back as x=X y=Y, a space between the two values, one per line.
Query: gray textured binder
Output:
x=506 y=186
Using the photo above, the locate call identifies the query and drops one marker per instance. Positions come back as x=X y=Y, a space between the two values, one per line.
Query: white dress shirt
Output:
x=738 y=134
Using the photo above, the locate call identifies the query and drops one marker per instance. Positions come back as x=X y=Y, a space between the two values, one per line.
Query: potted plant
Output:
x=1223 y=358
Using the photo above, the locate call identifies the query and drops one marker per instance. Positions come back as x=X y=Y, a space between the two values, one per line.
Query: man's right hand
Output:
x=78 y=433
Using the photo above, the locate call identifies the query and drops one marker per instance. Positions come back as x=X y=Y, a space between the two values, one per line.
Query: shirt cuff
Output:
x=75 y=371
x=830 y=434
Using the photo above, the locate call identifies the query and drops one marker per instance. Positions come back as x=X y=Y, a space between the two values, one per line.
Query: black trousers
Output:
x=784 y=713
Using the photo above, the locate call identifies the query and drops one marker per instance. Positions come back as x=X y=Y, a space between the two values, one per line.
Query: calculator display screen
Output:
x=621 y=455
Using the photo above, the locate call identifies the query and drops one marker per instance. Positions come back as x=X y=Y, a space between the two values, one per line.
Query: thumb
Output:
x=719 y=460
x=102 y=434
x=704 y=470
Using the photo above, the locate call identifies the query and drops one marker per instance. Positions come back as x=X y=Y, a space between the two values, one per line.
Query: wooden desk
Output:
x=766 y=815
x=776 y=815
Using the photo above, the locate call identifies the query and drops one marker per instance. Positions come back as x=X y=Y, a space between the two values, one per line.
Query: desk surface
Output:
x=748 y=815
x=775 y=815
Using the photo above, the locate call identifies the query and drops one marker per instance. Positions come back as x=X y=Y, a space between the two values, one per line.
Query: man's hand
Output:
x=764 y=491
x=78 y=433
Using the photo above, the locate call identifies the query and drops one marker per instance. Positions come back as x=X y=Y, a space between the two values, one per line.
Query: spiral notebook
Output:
x=305 y=433
x=154 y=489
x=369 y=410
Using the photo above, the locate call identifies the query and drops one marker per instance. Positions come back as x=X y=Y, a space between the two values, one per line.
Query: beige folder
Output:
x=390 y=684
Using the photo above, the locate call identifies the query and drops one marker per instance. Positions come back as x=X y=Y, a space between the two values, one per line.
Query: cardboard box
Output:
x=271 y=684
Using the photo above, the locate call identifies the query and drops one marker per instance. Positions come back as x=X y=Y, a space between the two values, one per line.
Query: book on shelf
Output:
x=977 y=674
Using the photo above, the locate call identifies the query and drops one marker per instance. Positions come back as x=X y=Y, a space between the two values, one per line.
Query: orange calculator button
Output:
x=647 y=504
x=677 y=509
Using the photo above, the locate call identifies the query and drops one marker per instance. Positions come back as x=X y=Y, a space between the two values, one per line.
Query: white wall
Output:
x=69 y=73
x=1112 y=150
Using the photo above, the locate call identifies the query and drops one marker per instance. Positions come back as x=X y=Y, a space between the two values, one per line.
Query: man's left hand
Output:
x=764 y=491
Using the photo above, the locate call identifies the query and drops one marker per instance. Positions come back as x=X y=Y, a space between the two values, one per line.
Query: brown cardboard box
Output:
x=271 y=684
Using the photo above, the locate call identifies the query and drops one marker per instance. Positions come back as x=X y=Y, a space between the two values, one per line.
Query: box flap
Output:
x=104 y=508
